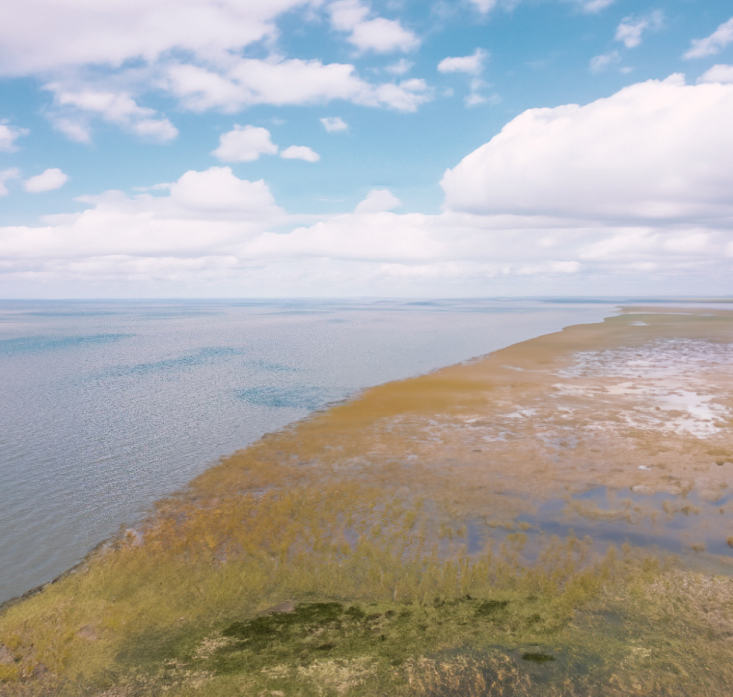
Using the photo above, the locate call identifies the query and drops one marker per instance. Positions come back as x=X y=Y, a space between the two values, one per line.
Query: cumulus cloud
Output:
x=718 y=73
x=74 y=107
x=216 y=194
x=346 y=14
x=406 y=95
x=244 y=144
x=252 y=81
x=201 y=213
x=473 y=64
x=632 y=28
x=569 y=199
x=6 y=175
x=285 y=82
x=712 y=44
x=300 y=152
x=383 y=36
x=378 y=201
x=8 y=136
x=48 y=180
x=656 y=150
x=334 y=124
x=379 y=35
x=43 y=36
x=107 y=59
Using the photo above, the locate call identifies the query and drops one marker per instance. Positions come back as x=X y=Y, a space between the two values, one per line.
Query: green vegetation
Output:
x=331 y=559
x=371 y=597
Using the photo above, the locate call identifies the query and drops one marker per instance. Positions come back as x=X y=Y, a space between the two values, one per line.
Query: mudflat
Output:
x=463 y=532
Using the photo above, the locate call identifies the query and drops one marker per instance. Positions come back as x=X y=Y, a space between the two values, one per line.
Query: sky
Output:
x=346 y=148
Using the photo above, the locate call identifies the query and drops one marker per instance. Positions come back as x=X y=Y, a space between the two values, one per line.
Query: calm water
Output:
x=107 y=406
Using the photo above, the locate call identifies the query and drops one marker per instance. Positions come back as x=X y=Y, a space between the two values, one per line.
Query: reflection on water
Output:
x=107 y=406
x=689 y=526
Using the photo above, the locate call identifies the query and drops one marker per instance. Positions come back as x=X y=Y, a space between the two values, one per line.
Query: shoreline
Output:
x=497 y=450
x=345 y=403
x=82 y=463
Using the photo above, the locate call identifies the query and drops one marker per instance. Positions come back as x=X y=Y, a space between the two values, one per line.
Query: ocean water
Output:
x=107 y=406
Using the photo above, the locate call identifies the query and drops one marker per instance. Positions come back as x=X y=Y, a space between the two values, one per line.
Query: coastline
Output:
x=464 y=456
x=97 y=431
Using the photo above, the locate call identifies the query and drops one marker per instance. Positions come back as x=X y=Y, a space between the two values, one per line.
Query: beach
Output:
x=521 y=508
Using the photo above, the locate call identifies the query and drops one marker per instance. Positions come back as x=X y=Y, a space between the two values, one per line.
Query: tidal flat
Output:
x=555 y=518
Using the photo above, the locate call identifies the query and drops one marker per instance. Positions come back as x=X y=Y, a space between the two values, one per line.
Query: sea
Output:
x=107 y=406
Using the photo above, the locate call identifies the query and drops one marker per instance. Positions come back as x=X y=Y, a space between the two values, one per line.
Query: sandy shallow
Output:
x=622 y=429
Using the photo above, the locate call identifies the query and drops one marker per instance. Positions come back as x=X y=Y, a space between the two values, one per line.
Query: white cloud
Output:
x=203 y=213
x=379 y=34
x=383 y=36
x=401 y=67
x=408 y=95
x=8 y=136
x=44 y=36
x=73 y=128
x=475 y=98
x=244 y=144
x=49 y=180
x=216 y=193
x=5 y=176
x=657 y=150
x=283 y=82
x=378 y=201
x=630 y=30
x=718 y=73
x=101 y=61
x=603 y=62
x=592 y=6
x=119 y=108
x=300 y=152
x=585 y=6
x=631 y=192
x=484 y=6
x=334 y=124
x=712 y=44
x=346 y=14
x=473 y=64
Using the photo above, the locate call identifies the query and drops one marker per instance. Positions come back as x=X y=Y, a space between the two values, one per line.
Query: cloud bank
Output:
x=630 y=193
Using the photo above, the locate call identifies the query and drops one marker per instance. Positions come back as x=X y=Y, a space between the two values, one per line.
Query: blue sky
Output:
x=310 y=148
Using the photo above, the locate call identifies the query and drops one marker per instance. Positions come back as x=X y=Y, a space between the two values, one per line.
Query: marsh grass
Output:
x=355 y=523
x=382 y=599
x=154 y=596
